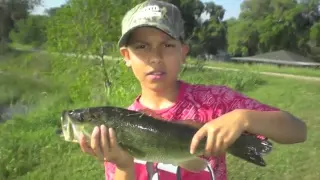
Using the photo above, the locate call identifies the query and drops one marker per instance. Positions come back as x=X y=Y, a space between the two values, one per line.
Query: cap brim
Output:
x=125 y=37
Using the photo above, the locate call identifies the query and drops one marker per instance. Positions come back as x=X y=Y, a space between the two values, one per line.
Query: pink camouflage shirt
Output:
x=201 y=103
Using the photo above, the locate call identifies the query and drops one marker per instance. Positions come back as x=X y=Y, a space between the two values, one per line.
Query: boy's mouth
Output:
x=156 y=74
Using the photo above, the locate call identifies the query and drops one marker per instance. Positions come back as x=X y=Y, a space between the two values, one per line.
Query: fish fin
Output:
x=149 y=112
x=251 y=149
x=191 y=123
x=133 y=151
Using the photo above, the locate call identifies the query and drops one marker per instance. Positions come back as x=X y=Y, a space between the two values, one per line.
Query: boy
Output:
x=152 y=44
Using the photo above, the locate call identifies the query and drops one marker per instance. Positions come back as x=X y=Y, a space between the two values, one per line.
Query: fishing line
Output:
x=178 y=173
x=211 y=172
x=150 y=170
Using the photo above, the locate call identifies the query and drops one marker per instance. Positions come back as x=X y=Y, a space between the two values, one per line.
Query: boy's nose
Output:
x=155 y=56
x=154 y=60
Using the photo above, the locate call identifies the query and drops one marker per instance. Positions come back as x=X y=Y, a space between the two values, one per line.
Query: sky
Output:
x=232 y=7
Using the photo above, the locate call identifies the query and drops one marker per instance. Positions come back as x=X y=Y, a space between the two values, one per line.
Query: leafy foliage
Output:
x=272 y=25
x=83 y=26
x=31 y=30
x=10 y=12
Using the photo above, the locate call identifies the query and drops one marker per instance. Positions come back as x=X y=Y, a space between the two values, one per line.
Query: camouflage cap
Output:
x=153 y=13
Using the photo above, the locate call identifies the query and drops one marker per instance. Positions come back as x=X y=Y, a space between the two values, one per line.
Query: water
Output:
x=7 y=112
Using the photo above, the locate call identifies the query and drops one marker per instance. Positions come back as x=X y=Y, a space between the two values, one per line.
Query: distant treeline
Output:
x=82 y=25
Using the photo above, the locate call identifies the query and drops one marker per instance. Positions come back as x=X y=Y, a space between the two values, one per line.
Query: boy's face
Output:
x=154 y=57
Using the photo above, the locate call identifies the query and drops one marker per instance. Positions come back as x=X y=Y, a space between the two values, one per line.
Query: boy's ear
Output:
x=185 y=50
x=125 y=54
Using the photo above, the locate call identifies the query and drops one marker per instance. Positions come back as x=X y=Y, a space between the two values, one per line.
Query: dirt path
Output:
x=292 y=76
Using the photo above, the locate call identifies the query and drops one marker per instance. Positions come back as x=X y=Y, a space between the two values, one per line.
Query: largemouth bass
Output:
x=153 y=140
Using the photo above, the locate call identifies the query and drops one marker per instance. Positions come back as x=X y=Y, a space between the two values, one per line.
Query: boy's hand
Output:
x=106 y=149
x=221 y=133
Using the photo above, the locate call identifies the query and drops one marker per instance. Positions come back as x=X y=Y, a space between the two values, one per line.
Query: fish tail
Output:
x=251 y=149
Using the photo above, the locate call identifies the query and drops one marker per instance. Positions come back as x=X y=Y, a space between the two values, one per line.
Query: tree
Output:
x=82 y=27
x=243 y=38
x=315 y=33
x=213 y=30
x=30 y=31
x=191 y=10
x=205 y=36
x=273 y=25
x=10 y=12
x=52 y=11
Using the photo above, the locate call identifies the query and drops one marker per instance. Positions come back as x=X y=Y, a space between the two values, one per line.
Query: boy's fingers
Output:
x=201 y=133
x=95 y=143
x=113 y=139
x=218 y=145
x=84 y=145
x=105 y=144
x=209 y=146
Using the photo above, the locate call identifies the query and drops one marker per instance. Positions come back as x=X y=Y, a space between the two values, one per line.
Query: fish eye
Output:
x=80 y=117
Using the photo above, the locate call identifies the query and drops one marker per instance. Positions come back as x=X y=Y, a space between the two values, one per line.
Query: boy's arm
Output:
x=280 y=126
x=125 y=174
x=268 y=121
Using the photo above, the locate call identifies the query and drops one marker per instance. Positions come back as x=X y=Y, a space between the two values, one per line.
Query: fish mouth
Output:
x=72 y=127
x=69 y=128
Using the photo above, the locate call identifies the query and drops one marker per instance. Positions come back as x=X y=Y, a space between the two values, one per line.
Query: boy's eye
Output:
x=169 y=45
x=140 y=46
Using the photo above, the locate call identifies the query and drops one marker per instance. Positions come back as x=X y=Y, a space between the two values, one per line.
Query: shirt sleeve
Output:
x=241 y=101
x=109 y=170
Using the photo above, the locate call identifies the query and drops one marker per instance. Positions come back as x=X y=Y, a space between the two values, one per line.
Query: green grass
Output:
x=265 y=68
x=31 y=149
x=295 y=161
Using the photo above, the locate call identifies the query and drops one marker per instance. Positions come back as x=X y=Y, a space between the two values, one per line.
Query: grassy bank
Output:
x=31 y=149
